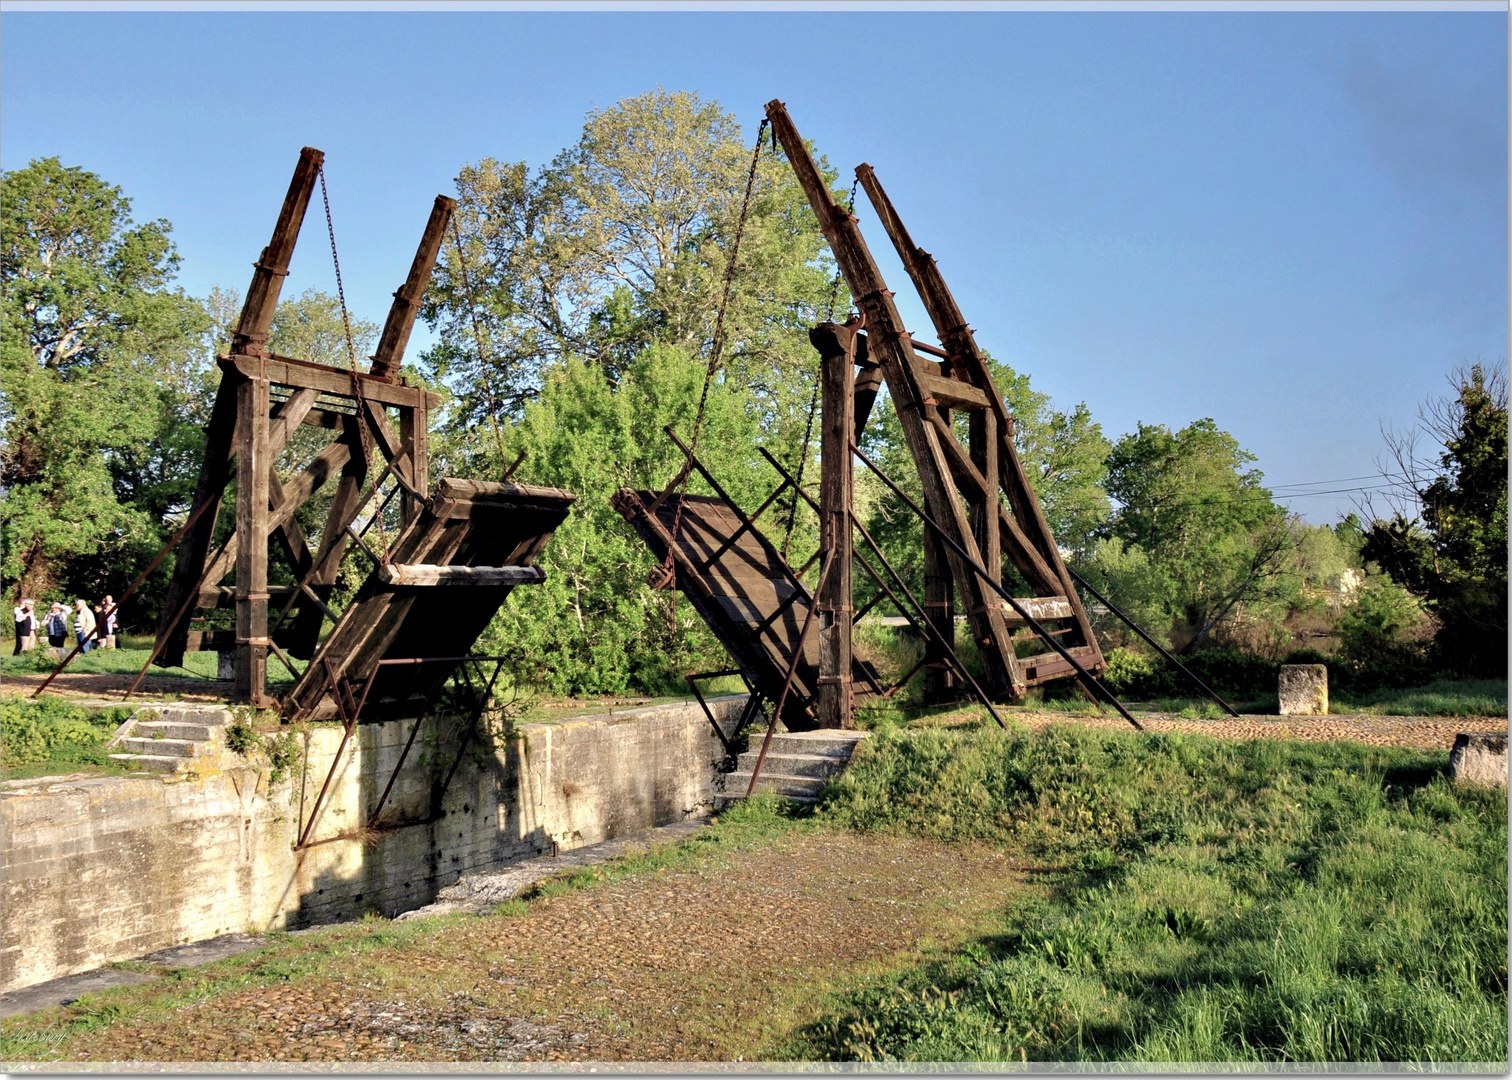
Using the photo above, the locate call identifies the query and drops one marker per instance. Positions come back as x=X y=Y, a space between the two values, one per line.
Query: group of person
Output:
x=90 y=627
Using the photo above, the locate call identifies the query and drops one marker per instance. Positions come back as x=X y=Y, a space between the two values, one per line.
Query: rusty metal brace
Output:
x=349 y=720
x=1088 y=679
x=787 y=683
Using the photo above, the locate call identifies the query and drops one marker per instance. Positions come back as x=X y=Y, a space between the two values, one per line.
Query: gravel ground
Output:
x=712 y=963
x=87 y=685
x=1418 y=732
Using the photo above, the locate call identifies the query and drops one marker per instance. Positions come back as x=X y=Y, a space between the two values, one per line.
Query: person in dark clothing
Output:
x=57 y=626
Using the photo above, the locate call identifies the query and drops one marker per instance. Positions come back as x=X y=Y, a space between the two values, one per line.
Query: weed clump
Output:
x=49 y=735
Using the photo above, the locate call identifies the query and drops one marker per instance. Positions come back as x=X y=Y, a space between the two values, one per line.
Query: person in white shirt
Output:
x=84 y=625
x=108 y=622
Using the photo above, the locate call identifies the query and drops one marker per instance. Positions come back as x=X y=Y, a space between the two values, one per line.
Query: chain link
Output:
x=365 y=436
x=669 y=566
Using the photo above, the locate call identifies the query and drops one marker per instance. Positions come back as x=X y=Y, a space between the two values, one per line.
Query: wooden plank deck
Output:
x=742 y=590
x=465 y=523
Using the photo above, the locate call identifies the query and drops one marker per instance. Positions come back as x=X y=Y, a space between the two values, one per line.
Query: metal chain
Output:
x=669 y=566
x=364 y=435
x=336 y=261
x=850 y=209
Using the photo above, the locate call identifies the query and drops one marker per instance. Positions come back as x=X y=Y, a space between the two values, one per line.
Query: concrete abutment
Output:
x=99 y=869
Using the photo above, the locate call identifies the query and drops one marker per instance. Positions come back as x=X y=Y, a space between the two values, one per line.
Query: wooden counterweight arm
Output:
x=401 y=317
x=961 y=345
x=890 y=346
x=251 y=334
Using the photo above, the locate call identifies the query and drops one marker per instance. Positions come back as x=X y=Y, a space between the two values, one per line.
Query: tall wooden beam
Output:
x=837 y=349
x=959 y=342
x=890 y=345
x=251 y=334
x=401 y=317
x=252 y=465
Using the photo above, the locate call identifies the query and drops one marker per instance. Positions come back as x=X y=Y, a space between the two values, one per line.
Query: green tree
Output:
x=595 y=626
x=622 y=242
x=104 y=366
x=1209 y=535
x=1455 y=555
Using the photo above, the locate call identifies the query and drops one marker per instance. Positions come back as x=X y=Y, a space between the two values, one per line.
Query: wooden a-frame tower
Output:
x=981 y=505
x=262 y=400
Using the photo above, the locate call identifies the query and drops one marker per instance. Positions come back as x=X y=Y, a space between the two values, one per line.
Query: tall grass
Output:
x=1217 y=901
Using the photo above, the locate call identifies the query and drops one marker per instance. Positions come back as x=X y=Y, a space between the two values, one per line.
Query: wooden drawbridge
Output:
x=744 y=590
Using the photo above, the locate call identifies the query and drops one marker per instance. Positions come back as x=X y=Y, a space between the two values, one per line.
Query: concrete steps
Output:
x=798 y=765
x=171 y=739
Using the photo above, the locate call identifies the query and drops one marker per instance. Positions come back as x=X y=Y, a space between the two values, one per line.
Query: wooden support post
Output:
x=252 y=520
x=836 y=345
x=223 y=434
x=940 y=682
x=413 y=441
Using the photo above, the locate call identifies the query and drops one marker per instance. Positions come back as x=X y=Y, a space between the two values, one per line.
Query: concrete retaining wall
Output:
x=99 y=869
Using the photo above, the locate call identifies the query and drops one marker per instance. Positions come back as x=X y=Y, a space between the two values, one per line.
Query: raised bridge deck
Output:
x=466 y=523
x=745 y=592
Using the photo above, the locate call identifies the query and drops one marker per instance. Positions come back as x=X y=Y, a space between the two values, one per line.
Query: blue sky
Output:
x=1292 y=222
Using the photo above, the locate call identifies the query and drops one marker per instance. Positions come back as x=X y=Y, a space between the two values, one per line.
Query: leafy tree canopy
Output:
x=1194 y=533
x=103 y=362
x=623 y=241
x=1455 y=556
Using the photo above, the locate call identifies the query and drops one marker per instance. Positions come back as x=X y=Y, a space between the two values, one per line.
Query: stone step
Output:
x=800 y=788
x=149 y=762
x=815 y=765
x=836 y=744
x=169 y=729
x=172 y=748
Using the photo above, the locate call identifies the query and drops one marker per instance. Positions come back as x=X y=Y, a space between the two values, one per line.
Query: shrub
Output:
x=52 y=731
x=1128 y=669
x=1378 y=627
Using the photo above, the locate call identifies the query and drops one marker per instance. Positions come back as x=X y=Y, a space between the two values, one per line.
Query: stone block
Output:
x=1479 y=758
x=1303 y=690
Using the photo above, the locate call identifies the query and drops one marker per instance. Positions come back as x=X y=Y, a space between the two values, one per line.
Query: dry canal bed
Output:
x=718 y=958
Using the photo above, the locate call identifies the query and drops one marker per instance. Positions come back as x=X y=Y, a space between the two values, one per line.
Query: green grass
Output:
x=197 y=665
x=1214 y=901
x=1443 y=697
x=107 y=662
x=50 y=736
